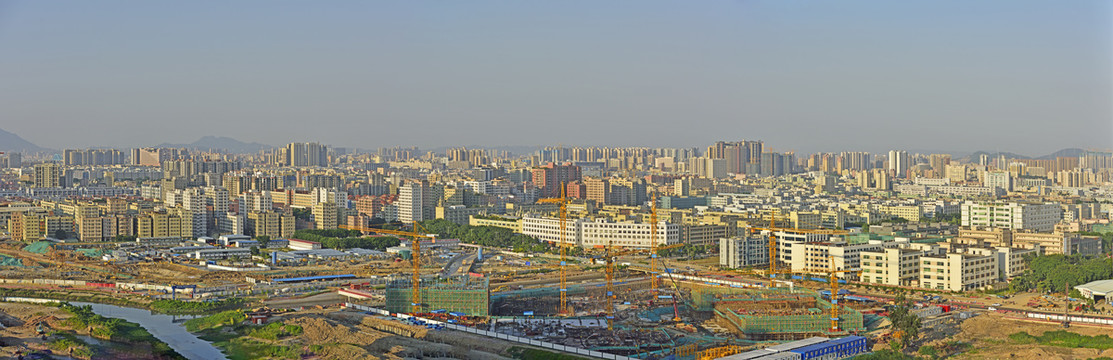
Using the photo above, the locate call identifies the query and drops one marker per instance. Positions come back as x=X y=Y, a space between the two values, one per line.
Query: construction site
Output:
x=621 y=301
x=460 y=294
x=642 y=309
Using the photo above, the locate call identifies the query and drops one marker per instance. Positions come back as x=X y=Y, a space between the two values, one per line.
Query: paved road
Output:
x=453 y=265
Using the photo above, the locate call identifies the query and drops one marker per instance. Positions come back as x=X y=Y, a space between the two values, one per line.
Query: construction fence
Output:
x=517 y=339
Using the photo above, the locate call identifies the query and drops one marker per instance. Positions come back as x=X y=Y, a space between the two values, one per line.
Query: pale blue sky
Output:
x=1023 y=76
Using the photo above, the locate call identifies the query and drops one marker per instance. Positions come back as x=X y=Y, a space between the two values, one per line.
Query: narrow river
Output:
x=163 y=328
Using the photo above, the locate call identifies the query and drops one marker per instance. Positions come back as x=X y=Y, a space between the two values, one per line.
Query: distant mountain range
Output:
x=10 y=142
x=1069 y=152
x=516 y=150
x=221 y=143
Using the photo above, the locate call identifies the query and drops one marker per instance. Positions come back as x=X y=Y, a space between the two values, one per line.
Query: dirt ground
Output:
x=349 y=335
x=989 y=335
x=330 y=298
x=19 y=321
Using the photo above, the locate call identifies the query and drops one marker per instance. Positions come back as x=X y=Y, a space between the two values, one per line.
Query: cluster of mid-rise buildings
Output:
x=903 y=219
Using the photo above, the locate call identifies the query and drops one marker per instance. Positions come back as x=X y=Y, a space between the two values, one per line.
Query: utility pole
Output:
x=1066 y=304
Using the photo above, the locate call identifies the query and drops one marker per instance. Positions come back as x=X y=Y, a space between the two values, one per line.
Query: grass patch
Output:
x=243 y=348
x=884 y=355
x=525 y=353
x=275 y=331
x=221 y=319
x=69 y=344
x=1063 y=338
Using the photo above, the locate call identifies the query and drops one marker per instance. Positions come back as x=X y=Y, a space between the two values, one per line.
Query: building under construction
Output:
x=779 y=314
x=466 y=294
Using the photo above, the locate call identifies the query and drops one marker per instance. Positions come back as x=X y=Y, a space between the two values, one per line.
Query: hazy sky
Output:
x=1024 y=76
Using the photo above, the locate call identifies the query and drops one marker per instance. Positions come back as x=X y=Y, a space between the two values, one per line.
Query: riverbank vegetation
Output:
x=228 y=331
x=112 y=329
x=193 y=307
x=224 y=318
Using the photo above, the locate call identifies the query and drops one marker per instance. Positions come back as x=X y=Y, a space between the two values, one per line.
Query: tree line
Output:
x=346 y=239
x=485 y=235
x=1054 y=272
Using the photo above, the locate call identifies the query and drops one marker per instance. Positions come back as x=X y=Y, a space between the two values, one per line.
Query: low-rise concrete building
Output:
x=955 y=271
x=219 y=254
x=743 y=251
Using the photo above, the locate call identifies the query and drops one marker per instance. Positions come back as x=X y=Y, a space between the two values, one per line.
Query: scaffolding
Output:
x=465 y=294
x=773 y=313
x=790 y=320
x=542 y=292
x=705 y=297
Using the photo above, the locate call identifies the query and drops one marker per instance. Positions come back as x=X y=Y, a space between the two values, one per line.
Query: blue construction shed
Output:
x=849 y=346
x=816 y=351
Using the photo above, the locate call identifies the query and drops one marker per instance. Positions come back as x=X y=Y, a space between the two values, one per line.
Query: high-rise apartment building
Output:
x=857 y=160
x=48 y=175
x=325 y=215
x=939 y=164
x=155 y=156
x=899 y=162
x=998 y=179
x=416 y=202
x=74 y=157
x=775 y=164
x=551 y=177
x=304 y=154
x=598 y=190
x=11 y=160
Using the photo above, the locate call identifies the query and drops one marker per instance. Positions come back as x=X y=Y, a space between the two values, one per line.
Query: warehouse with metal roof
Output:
x=1096 y=290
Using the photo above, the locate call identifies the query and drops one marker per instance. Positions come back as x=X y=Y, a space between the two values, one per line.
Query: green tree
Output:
x=1053 y=272
x=302 y=214
x=905 y=323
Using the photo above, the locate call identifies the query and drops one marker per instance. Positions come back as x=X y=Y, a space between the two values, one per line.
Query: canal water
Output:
x=164 y=328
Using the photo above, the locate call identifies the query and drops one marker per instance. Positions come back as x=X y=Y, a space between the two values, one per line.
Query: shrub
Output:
x=230 y=317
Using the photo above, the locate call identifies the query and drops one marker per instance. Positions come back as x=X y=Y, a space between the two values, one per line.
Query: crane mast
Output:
x=562 y=216
x=654 y=279
x=415 y=242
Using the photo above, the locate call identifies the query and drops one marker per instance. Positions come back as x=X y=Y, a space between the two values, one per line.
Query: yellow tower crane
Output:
x=654 y=276
x=773 y=229
x=611 y=254
x=833 y=279
x=415 y=241
x=562 y=202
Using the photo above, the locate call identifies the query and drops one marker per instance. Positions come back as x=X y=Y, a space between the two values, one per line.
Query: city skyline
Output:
x=746 y=179
x=1030 y=79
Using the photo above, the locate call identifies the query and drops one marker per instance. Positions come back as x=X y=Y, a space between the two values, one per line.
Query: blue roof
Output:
x=796 y=344
x=311 y=278
x=847 y=339
x=820 y=346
